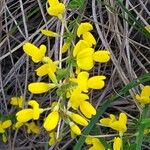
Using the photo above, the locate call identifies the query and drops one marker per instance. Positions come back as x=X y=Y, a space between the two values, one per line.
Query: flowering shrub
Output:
x=72 y=83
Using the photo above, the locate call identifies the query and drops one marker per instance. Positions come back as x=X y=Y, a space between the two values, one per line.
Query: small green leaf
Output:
x=76 y=4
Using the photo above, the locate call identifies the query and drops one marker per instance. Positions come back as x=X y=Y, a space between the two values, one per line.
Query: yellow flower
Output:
x=82 y=44
x=48 y=68
x=53 y=139
x=83 y=28
x=89 y=38
x=33 y=128
x=96 y=82
x=4 y=125
x=50 y=33
x=29 y=113
x=85 y=59
x=37 y=54
x=65 y=47
x=84 y=82
x=108 y=121
x=97 y=145
x=87 y=56
x=75 y=129
x=56 y=10
x=118 y=125
x=144 y=97
x=40 y=87
x=76 y=98
x=51 y=121
x=17 y=101
x=53 y=2
x=87 y=112
x=117 y=144
x=18 y=124
x=101 y=56
x=78 y=119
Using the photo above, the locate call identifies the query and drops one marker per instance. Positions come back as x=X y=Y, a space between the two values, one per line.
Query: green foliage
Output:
x=76 y=4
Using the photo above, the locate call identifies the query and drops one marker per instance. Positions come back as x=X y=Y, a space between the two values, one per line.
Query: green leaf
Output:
x=76 y=4
x=62 y=74
x=146 y=122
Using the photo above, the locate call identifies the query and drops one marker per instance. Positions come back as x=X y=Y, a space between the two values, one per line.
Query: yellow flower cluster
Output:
x=73 y=106
x=83 y=51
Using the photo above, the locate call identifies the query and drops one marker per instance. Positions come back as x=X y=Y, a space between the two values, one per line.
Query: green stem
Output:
x=140 y=135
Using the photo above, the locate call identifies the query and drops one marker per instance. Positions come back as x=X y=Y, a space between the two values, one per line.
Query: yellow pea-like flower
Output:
x=117 y=143
x=30 y=113
x=53 y=2
x=120 y=125
x=77 y=98
x=85 y=59
x=96 y=82
x=40 y=87
x=18 y=124
x=89 y=38
x=53 y=139
x=96 y=144
x=32 y=128
x=87 y=112
x=17 y=101
x=56 y=10
x=4 y=125
x=24 y=115
x=51 y=121
x=78 y=119
x=65 y=47
x=108 y=121
x=82 y=44
x=101 y=56
x=50 y=33
x=144 y=97
x=82 y=80
x=74 y=128
x=83 y=28
x=37 y=54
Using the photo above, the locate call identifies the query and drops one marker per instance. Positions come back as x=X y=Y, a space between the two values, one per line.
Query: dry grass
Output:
x=21 y=21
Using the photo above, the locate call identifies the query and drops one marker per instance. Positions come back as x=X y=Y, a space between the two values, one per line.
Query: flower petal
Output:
x=24 y=115
x=87 y=109
x=117 y=144
x=40 y=87
x=89 y=38
x=84 y=59
x=83 y=28
x=50 y=33
x=56 y=10
x=51 y=121
x=101 y=56
x=96 y=82
x=80 y=46
x=6 y=124
x=75 y=128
